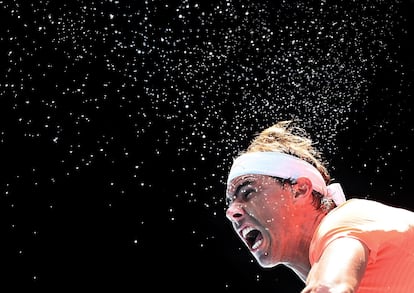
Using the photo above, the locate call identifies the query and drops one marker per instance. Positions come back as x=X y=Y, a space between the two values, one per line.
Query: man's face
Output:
x=261 y=211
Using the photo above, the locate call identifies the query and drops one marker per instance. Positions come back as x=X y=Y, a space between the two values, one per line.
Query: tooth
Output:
x=245 y=231
x=256 y=245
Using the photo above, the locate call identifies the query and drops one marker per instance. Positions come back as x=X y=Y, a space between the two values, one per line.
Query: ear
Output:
x=302 y=189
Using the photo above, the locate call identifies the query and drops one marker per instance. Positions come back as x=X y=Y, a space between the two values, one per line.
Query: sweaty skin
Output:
x=274 y=220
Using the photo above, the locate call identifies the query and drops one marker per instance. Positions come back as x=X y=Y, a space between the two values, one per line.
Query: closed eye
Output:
x=246 y=193
x=243 y=191
x=228 y=201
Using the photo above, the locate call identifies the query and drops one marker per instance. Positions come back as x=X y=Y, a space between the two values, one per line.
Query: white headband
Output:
x=287 y=167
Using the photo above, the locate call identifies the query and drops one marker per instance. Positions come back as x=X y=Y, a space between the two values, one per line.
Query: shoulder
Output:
x=359 y=204
x=357 y=208
x=365 y=211
x=364 y=214
x=366 y=220
x=348 y=211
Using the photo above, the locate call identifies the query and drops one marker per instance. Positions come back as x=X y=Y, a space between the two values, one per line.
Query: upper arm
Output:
x=340 y=267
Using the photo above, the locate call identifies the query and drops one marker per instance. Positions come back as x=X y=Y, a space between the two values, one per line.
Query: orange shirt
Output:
x=388 y=232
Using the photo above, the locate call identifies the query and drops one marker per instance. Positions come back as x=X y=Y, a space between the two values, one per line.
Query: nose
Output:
x=235 y=212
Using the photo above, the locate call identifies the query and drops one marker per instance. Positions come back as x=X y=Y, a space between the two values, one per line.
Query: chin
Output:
x=268 y=265
x=266 y=261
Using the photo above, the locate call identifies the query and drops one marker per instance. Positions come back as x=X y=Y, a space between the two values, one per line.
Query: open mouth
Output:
x=252 y=237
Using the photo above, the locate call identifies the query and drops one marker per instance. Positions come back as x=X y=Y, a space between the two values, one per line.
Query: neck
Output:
x=300 y=263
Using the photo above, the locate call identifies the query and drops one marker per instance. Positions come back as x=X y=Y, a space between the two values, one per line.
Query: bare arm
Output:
x=340 y=268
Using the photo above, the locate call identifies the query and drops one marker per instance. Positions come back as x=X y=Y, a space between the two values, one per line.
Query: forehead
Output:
x=246 y=180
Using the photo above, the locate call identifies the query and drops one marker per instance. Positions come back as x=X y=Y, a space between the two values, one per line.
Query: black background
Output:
x=119 y=120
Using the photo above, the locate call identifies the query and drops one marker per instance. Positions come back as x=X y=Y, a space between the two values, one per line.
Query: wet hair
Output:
x=286 y=137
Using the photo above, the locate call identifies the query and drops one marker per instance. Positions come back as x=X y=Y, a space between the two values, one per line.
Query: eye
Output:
x=229 y=200
x=247 y=193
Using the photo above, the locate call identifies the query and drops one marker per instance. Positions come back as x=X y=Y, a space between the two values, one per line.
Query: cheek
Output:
x=275 y=215
x=277 y=205
x=271 y=208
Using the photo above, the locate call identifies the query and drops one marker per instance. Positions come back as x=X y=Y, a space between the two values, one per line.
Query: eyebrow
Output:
x=240 y=186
